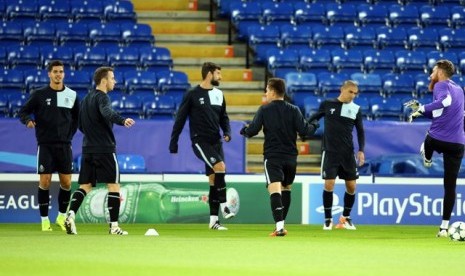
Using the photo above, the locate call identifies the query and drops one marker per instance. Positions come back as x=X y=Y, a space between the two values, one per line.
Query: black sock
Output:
x=349 y=200
x=328 y=203
x=43 y=199
x=276 y=206
x=63 y=199
x=76 y=200
x=220 y=185
x=114 y=202
x=213 y=201
x=286 y=199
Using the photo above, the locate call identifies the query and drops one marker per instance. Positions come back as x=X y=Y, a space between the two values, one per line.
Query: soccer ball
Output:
x=457 y=231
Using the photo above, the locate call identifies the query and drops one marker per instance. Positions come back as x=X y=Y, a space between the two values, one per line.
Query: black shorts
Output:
x=98 y=168
x=337 y=164
x=280 y=170
x=54 y=158
x=210 y=154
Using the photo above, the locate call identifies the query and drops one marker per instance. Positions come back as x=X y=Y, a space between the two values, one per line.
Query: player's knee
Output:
x=219 y=167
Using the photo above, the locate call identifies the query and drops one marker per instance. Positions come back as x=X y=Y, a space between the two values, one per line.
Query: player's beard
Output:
x=215 y=82
x=431 y=84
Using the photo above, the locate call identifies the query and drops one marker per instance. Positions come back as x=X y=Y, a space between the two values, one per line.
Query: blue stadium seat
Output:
x=65 y=54
x=262 y=39
x=172 y=82
x=387 y=109
x=397 y=84
x=315 y=59
x=137 y=34
x=3 y=56
x=103 y=34
x=365 y=106
x=155 y=58
x=452 y=40
x=131 y=163
x=421 y=84
x=91 y=57
x=424 y=39
x=296 y=37
x=22 y=9
x=368 y=83
x=433 y=56
x=434 y=16
x=35 y=79
x=461 y=63
x=331 y=82
x=411 y=62
x=344 y=13
x=279 y=59
x=391 y=38
x=403 y=15
x=457 y=16
x=328 y=36
x=276 y=12
x=309 y=13
x=161 y=107
x=24 y=57
x=4 y=109
x=301 y=82
x=123 y=57
x=244 y=15
x=138 y=81
x=347 y=60
x=311 y=105
x=87 y=10
x=380 y=61
x=11 y=78
x=72 y=34
x=15 y=102
x=129 y=106
x=120 y=12
x=372 y=15
x=360 y=38
x=54 y=10
x=78 y=80
x=41 y=33
x=11 y=32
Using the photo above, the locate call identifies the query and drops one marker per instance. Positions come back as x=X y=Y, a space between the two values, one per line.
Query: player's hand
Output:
x=173 y=148
x=227 y=138
x=242 y=132
x=128 y=122
x=413 y=104
x=361 y=158
x=415 y=115
x=31 y=124
x=315 y=124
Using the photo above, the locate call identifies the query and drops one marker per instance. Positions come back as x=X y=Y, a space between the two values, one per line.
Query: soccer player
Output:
x=206 y=108
x=281 y=122
x=446 y=133
x=341 y=115
x=99 y=163
x=53 y=112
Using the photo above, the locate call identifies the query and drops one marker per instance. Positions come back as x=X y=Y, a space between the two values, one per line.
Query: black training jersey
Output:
x=206 y=109
x=96 y=121
x=340 y=119
x=281 y=122
x=54 y=112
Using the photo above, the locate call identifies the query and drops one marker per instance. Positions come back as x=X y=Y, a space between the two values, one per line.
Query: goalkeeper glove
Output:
x=413 y=104
x=416 y=113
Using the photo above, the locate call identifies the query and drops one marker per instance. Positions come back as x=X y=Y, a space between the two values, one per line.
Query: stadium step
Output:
x=256 y=147
x=165 y=5
x=194 y=50
x=243 y=98
x=228 y=74
x=186 y=27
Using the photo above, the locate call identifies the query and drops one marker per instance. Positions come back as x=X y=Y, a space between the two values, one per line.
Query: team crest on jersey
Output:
x=41 y=168
x=48 y=101
x=212 y=160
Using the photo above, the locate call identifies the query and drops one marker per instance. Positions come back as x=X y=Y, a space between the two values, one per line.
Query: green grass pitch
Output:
x=246 y=249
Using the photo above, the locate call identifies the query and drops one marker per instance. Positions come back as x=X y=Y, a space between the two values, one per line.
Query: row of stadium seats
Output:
x=75 y=34
x=141 y=106
x=162 y=82
x=77 y=58
x=71 y=11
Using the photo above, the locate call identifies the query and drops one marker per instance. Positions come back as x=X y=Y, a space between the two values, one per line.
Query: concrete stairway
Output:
x=183 y=27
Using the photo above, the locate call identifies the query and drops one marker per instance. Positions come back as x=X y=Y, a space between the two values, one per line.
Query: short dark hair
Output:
x=54 y=63
x=277 y=85
x=446 y=66
x=209 y=67
x=101 y=73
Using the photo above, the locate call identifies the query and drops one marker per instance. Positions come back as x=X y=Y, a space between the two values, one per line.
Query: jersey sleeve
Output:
x=28 y=108
x=108 y=112
x=181 y=118
x=256 y=125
